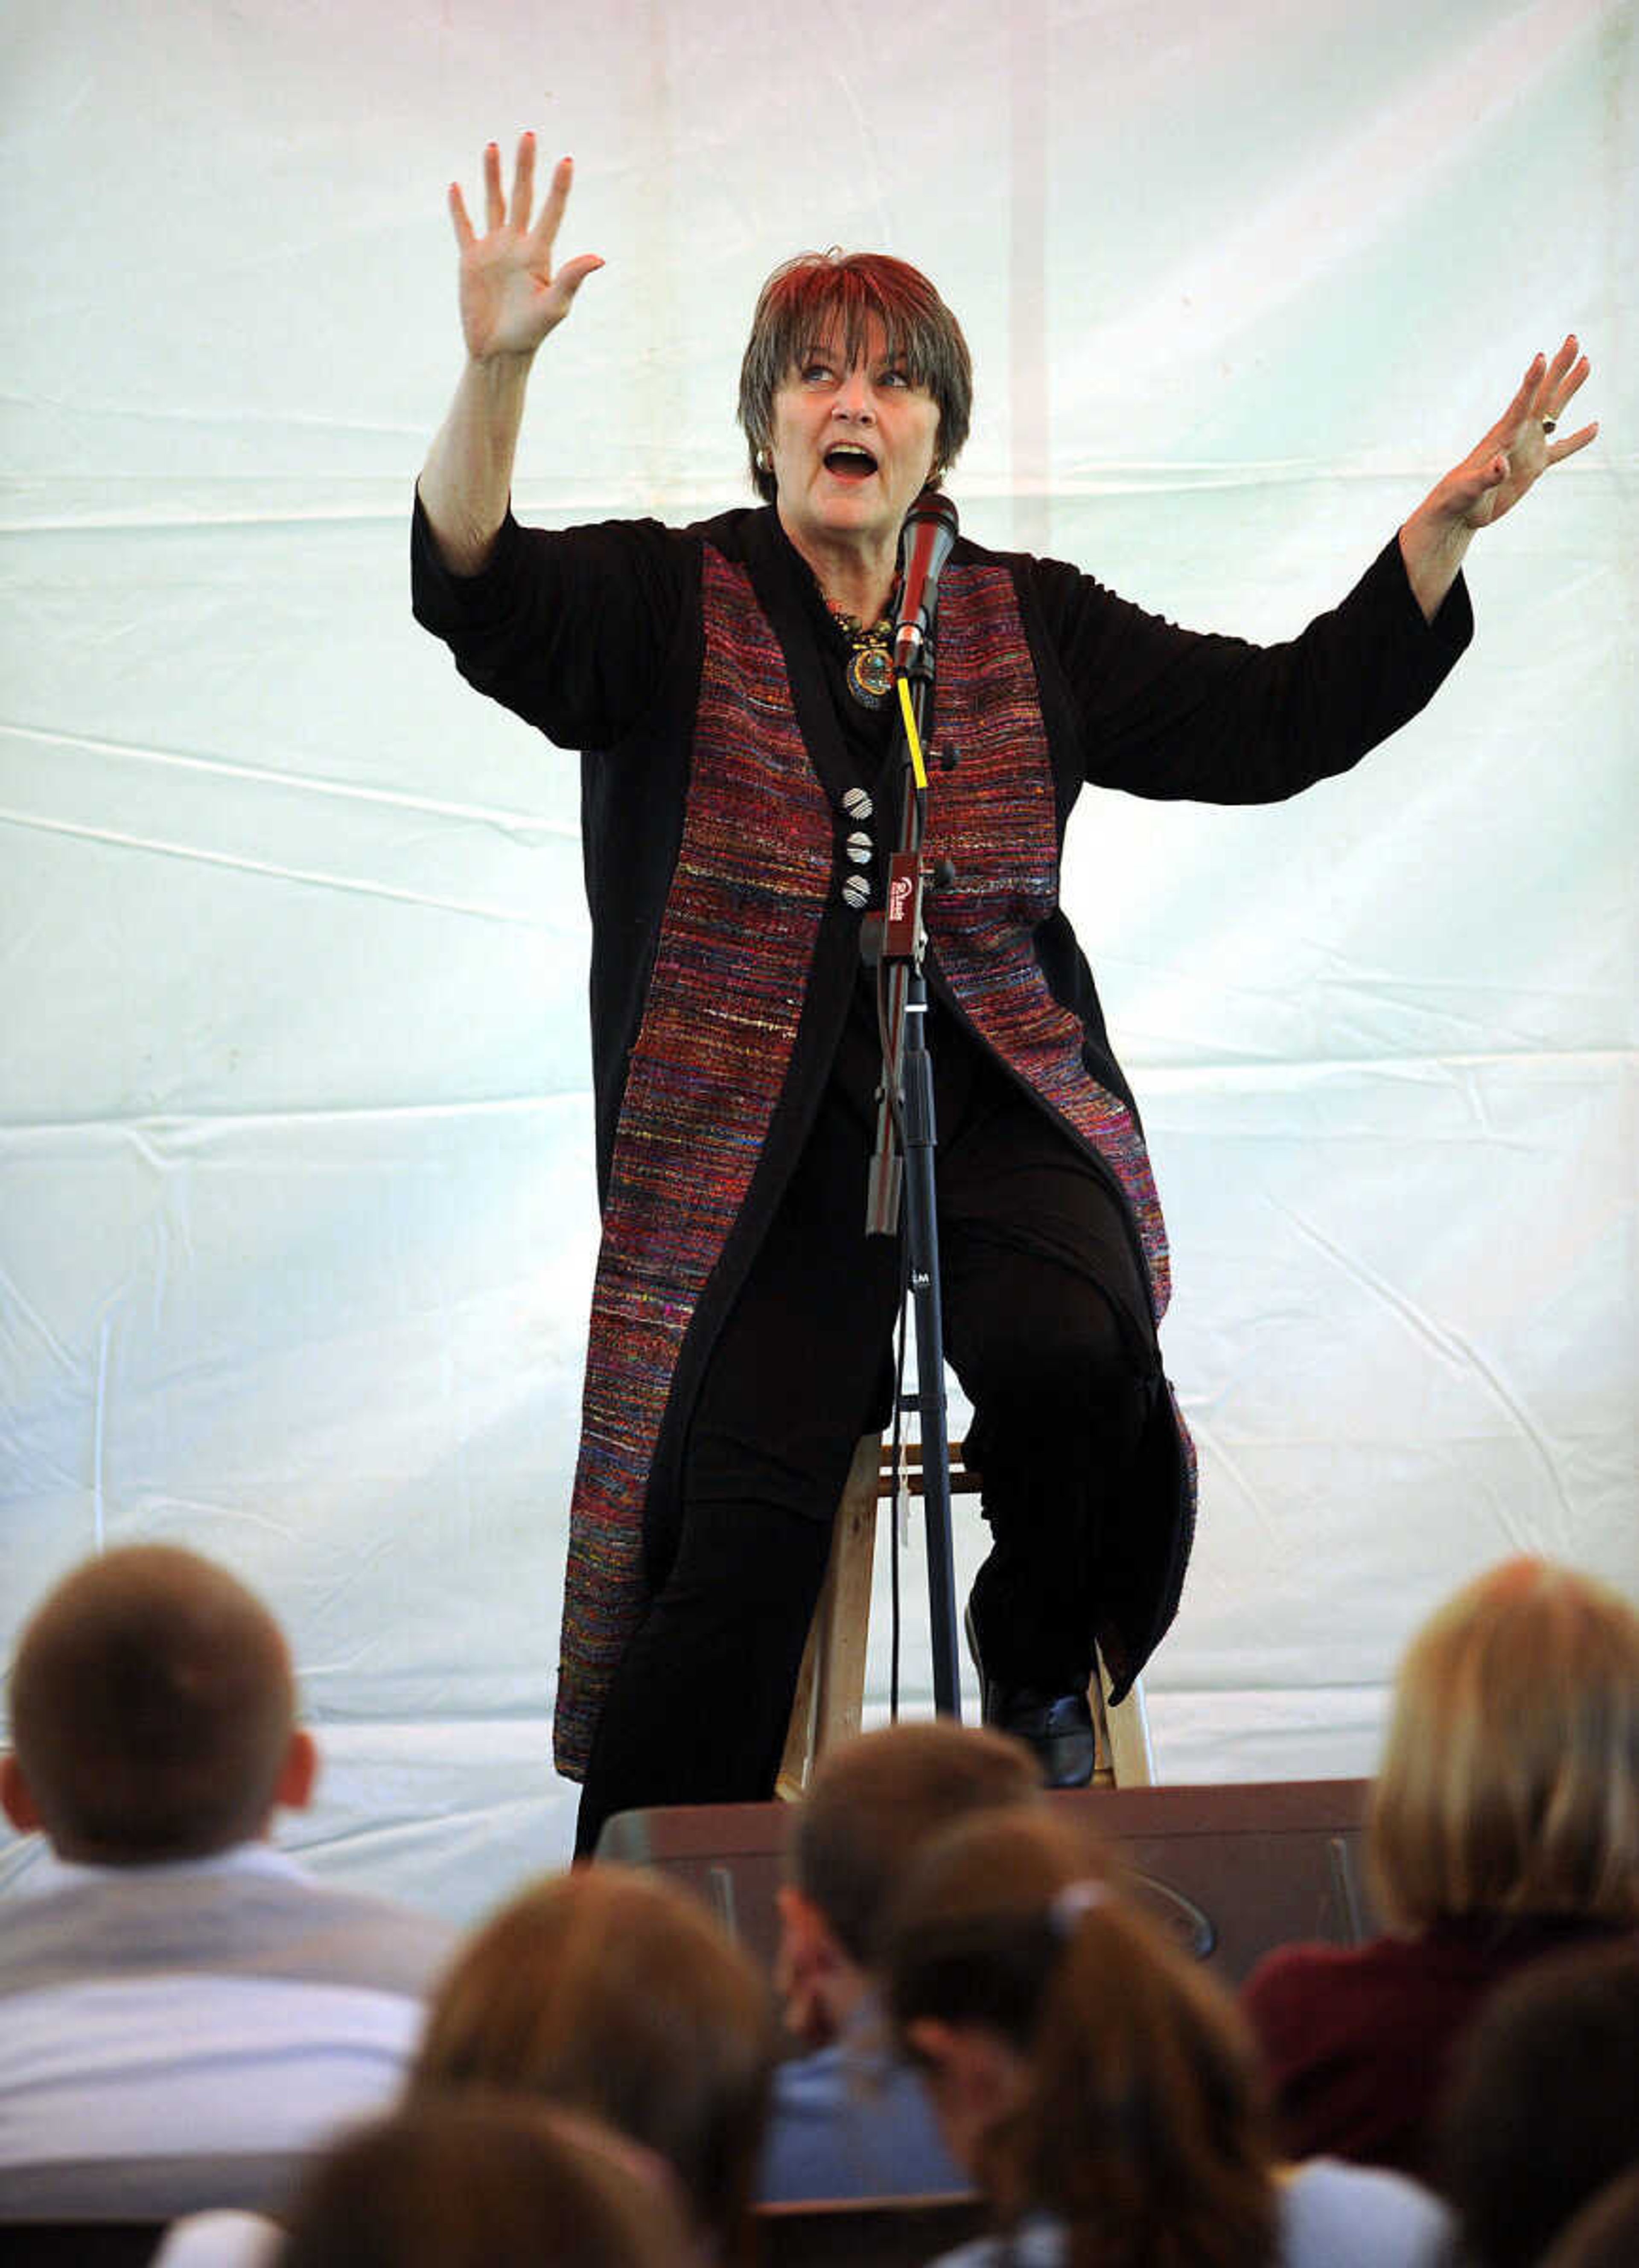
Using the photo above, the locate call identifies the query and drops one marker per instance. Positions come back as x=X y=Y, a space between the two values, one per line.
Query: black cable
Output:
x=894 y=1467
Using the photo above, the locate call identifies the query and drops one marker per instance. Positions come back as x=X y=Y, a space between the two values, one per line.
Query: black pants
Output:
x=1046 y=1325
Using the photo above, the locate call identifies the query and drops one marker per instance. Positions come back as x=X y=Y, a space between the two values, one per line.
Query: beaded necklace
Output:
x=869 y=671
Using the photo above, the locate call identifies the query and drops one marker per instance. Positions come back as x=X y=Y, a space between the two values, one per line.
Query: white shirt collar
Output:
x=51 y=1872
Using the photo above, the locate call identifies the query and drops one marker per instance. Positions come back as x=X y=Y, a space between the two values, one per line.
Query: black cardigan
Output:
x=600 y=637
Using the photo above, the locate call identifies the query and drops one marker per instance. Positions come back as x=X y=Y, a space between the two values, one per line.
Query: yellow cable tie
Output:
x=918 y=770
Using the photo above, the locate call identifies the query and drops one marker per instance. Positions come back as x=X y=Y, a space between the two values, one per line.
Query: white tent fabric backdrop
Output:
x=295 y=1123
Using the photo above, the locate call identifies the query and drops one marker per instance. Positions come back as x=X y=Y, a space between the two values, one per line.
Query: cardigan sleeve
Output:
x=1169 y=712
x=570 y=629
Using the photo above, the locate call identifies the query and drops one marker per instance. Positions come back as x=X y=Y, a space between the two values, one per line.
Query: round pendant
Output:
x=870 y=675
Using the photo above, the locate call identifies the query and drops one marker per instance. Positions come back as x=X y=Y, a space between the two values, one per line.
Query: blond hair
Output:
x=1509 y=1781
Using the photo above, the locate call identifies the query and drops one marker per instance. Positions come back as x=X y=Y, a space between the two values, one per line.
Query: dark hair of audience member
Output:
x=614 y=1992
x=875 y=1801
x=1510 y=1780
x=153 y=1708
x=1543 y=2109
x=1140 y=2124
x=480 y=2182
x=1605 y=2233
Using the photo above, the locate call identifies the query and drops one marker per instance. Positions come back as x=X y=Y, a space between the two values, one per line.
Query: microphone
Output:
x=926 y=543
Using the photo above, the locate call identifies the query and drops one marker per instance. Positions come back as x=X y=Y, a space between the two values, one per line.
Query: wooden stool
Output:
x=830 y=1684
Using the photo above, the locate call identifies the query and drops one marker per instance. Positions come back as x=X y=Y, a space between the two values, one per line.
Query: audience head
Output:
x=613 y=1993
x=875 y=1803
x=1605 y=2233
x=1510 y=1782
x=1543 y=2109
x=471 y=2181
x=152 y=1714
x=1079 y=2063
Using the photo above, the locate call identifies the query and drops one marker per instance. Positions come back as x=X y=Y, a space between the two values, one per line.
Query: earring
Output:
x=766 y=460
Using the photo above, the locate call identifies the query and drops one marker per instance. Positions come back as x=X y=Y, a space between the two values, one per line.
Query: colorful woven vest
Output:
x=755 y=874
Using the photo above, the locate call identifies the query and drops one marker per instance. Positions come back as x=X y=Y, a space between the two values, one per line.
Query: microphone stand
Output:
x=895 y=940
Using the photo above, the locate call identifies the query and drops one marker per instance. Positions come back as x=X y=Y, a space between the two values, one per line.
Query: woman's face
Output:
x=853 y=446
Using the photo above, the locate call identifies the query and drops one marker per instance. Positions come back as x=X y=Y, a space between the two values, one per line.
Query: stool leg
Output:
x=830 y=1684
x=1125 y=1757
x=1105 y=1769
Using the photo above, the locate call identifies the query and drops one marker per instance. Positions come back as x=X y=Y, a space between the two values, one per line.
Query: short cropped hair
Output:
x=152 y=1709
x=614 y=1992
x=877 y=1801
x=1509 y=1781
x=821 y=296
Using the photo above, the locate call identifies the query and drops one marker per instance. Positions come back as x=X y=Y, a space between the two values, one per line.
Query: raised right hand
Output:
x=510 y=295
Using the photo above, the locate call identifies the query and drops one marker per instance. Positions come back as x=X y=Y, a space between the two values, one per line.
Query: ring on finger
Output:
x=1548 y=423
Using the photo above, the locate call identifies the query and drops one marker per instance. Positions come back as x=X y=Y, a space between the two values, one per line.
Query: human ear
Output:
x=973 y=2078
x=16 y=1800
x=806 y=1962
x=293 y=1789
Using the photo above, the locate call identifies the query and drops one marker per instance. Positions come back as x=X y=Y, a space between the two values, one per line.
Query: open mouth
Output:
x=847 y=463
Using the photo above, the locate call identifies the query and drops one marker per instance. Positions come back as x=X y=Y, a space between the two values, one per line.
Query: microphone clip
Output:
x=894 y=931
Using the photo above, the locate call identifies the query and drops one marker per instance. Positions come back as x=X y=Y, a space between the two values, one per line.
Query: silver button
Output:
x=858 y=849
x=857 y=804
x=857 y=891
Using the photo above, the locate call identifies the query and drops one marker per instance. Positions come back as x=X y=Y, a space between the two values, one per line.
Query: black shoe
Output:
x=1058 y=1726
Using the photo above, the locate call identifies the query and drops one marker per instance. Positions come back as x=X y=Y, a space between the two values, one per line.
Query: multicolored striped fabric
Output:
x=994 y=818
x=750 y=884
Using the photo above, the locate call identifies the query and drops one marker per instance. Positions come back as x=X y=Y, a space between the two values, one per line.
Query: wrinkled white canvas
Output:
x=295 y=1126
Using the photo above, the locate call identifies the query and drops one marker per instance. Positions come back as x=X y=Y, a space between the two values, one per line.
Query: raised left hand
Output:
x=1492 y=478
x=1521 y=445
